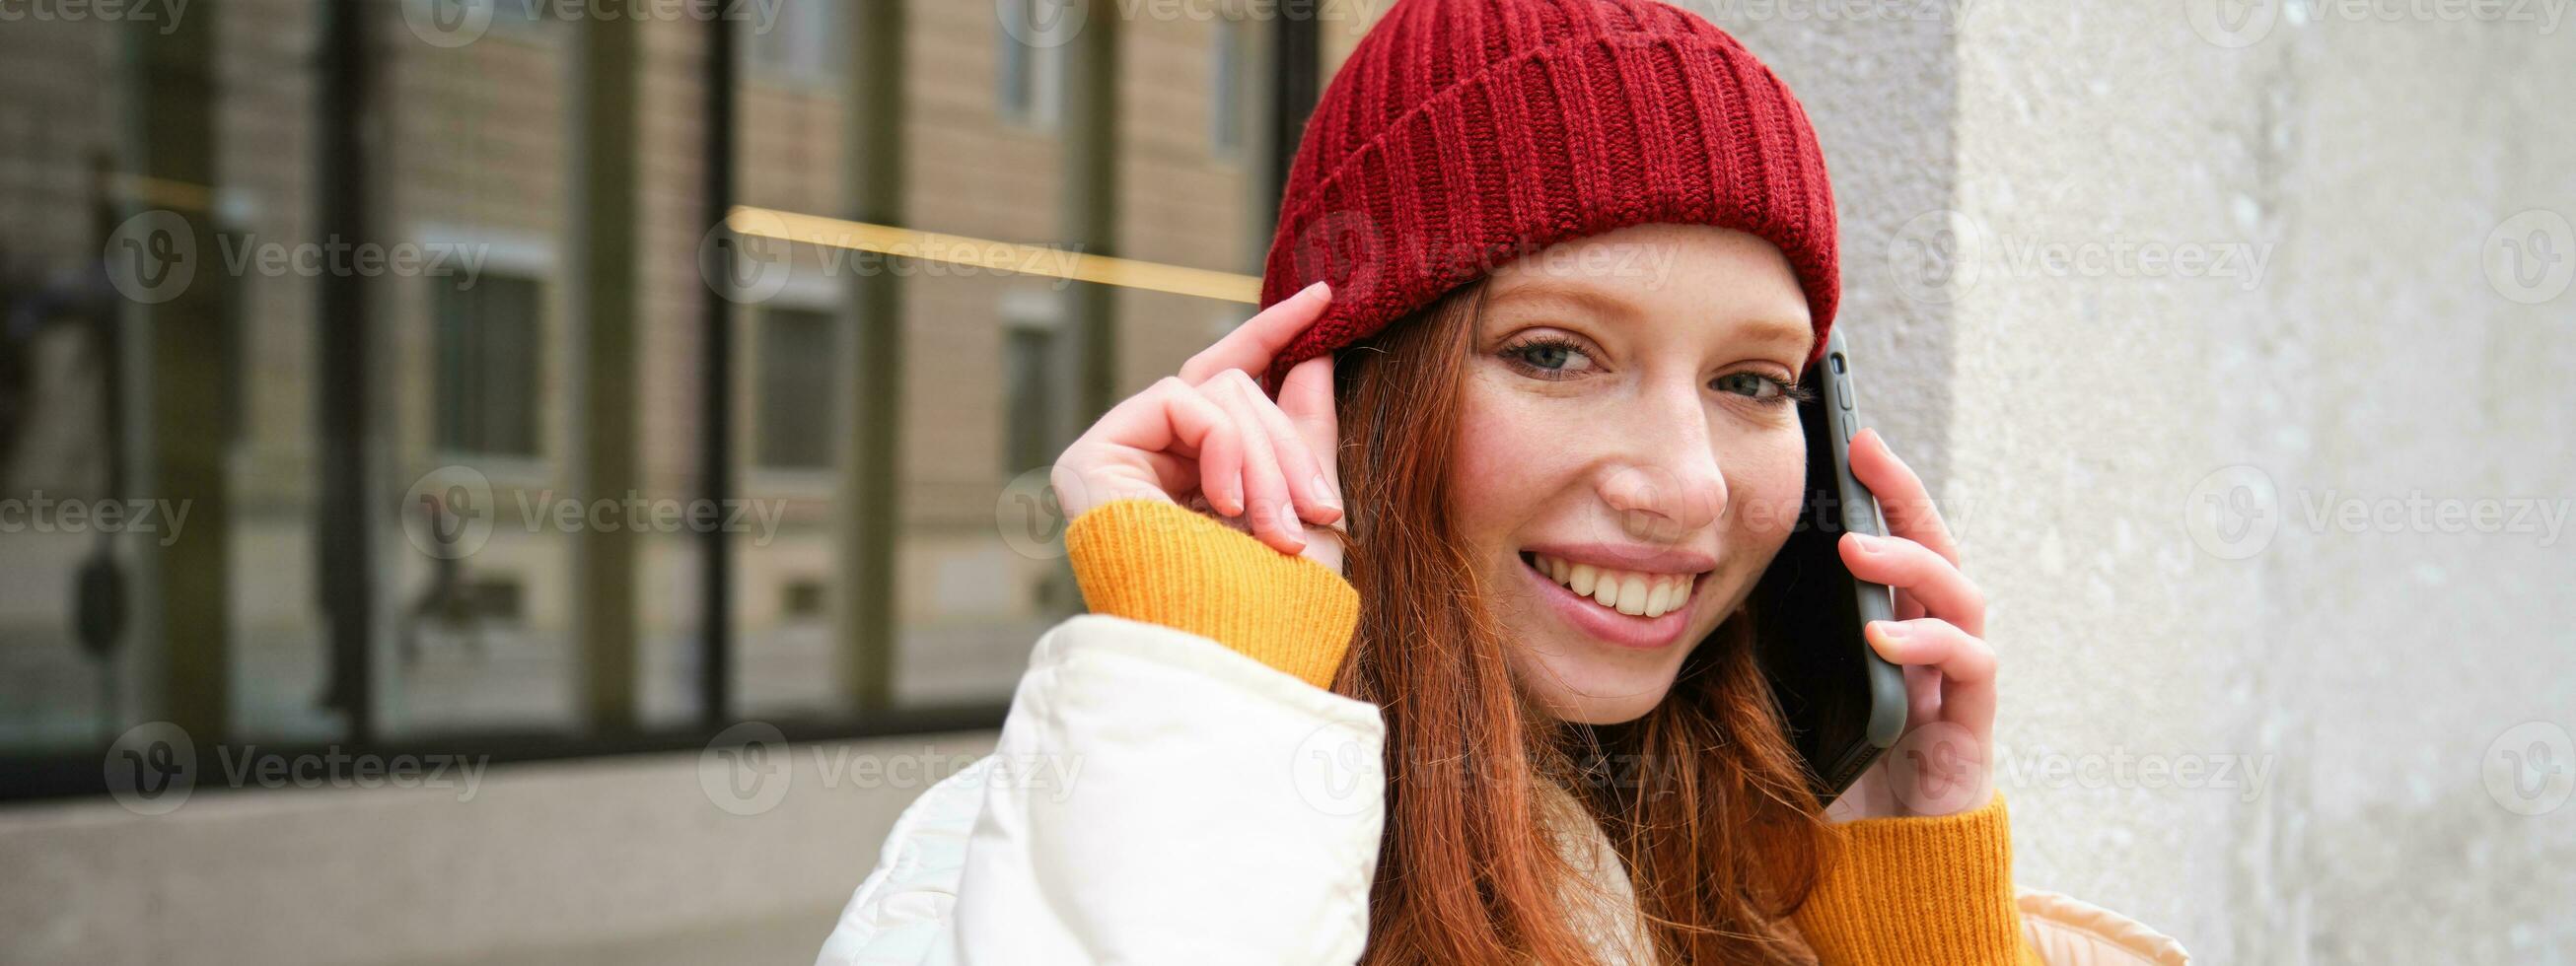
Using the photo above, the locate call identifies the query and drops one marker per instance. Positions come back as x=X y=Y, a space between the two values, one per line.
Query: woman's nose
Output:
x=1669 y=485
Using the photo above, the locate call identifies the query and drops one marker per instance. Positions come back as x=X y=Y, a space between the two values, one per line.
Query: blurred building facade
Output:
x=481 y=359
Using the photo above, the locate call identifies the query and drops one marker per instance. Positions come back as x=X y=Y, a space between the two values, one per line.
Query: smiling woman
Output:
x=1419 y=628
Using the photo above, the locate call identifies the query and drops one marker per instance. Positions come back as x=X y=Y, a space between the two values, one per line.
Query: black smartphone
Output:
x=1844 y=704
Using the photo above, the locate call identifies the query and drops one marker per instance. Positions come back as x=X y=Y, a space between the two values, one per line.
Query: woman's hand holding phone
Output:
x=1210 y=439
x=1944 y=763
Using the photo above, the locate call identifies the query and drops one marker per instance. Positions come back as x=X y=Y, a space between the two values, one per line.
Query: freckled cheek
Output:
x=1511 y=459
x=1767 y=479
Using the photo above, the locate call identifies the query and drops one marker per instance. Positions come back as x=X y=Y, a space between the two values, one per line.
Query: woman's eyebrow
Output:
x=1543 y=290
x=1779 y=331
x=1762 y=330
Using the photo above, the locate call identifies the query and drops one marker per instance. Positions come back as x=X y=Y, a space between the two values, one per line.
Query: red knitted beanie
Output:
x=1462 y=134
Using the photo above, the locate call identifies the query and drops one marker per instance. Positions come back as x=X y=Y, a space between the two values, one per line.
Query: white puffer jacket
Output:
x=1159 y=798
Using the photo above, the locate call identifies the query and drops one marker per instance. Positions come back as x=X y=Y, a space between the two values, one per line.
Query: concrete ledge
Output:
x=549 y=862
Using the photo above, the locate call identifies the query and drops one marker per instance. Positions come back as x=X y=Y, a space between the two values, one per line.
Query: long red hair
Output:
x=1703 y=797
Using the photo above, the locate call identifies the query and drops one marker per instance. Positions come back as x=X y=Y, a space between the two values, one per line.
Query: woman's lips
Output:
x=1609 y=626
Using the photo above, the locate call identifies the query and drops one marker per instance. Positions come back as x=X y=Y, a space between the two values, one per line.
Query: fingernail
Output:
x=1288 y=522
x=1868 y=544
x=1327 y=287
x=1324 y=491
x=1890 y=629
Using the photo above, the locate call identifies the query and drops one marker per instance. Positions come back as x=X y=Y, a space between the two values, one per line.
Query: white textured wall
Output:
x=2072 y=414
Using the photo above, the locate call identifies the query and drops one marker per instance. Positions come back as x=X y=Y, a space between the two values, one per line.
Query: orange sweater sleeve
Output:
x=1895 y=891
x=1918 y=890
x=1163 y=563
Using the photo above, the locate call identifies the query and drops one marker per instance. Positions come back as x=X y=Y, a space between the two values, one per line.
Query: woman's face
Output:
x=1626 y=426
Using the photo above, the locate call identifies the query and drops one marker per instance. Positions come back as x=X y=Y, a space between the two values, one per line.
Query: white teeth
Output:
x=1632 y=596
x=1628 y=592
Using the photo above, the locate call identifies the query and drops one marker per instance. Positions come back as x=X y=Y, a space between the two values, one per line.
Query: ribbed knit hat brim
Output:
x=1464 y=133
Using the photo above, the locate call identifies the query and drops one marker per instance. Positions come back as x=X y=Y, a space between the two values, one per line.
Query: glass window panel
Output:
x=987 y=387
x=505 y=451
x=800 y=362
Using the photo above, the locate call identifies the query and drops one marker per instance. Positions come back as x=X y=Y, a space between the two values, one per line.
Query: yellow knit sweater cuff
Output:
x=1918 y=890
x=1162 y=563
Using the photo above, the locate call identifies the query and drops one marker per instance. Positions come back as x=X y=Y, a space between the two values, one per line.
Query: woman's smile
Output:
x=1642 y=609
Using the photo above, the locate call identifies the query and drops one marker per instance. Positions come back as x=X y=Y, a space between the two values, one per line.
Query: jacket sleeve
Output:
x=1215 y=806
x=1918 y=890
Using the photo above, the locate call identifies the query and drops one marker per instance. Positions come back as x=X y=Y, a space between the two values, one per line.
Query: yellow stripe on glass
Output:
x=997 y=256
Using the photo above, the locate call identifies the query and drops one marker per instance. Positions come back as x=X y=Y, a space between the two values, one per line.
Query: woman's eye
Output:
x=1762 y=388
x=1550 y=358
